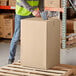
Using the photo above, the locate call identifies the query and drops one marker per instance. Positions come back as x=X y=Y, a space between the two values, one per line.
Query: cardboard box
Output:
x=1 y=19
x=52 y=3
x=71 y=26
x=74 y=26
x=12 y=2
x=8 y=28
x=1 y=26
x=6 y=32
x=1 y=32
x=40 y=42
x=3 y=2
x=6 y=25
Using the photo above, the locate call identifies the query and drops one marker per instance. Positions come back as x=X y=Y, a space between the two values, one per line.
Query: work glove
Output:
x=44 y=15
x=36 y=13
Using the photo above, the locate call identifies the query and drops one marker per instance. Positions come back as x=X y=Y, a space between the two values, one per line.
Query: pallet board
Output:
x=17 y=70
x=73 y=67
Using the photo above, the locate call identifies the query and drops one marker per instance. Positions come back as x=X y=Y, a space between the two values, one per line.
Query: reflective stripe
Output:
x=23 y=9
x=20 y=4
x=32 y=0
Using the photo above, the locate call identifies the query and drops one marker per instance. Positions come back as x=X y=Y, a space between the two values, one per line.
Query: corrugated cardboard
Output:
x=1 y=25
x=40 y=42
x=52 y=3
x=6 y=25
x=1 y=32
x=1 y=20
x=12 y=2
x=75 y=26
x=71 y=26
x=3 y=2
x=8 y=28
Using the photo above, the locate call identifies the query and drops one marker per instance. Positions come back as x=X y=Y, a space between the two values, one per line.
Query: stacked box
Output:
x=1 y=26
x=40 y=42
x=74 y=25
x=12 y=2
x=71 y=26
x=52 y=3
x=1 y=32
x=6 y=26
x=3 y=2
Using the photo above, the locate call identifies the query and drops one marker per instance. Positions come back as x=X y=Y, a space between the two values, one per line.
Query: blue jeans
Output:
x=16 y=36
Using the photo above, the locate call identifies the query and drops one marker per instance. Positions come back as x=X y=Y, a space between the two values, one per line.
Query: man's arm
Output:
x=30 y=8
x=27 y=6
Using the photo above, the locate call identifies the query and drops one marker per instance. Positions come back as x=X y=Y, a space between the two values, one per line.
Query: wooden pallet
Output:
x=72 y=67
x=17 y=70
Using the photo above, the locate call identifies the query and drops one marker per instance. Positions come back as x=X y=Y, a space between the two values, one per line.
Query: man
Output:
x=24 y=9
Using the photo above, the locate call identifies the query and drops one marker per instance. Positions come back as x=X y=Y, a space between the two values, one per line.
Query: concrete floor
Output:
x=4 y=53
x=67 y=56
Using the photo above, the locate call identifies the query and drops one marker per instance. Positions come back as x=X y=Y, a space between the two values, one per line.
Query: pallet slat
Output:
x=31 y=71
x=28 y=68
x=5 y=74
x=17 y=70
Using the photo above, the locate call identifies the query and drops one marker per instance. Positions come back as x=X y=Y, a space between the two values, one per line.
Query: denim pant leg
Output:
x=16 y=35
x=15 y=38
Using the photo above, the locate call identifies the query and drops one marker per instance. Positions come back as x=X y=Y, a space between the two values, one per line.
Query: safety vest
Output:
x=20 y=10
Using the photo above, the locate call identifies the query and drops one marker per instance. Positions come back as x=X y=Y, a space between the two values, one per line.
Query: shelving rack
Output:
x=7 y=7
x=50 y=9
x=64 y=3
x=63 y=9
x=64 y=6
x=7 y=10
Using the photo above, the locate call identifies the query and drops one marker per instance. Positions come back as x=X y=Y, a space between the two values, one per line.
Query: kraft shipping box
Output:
x=12 y=2
x=3 y=2
x=40 y=42
x=52 y=3
x=71 y=26
x=6 y=25
x=8 y=28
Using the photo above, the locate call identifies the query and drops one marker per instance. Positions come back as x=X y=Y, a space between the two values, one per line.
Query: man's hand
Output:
x=36 y=13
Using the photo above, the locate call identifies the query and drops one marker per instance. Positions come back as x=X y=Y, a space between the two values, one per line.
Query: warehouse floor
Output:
x=4 y=52
x=67 y=56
